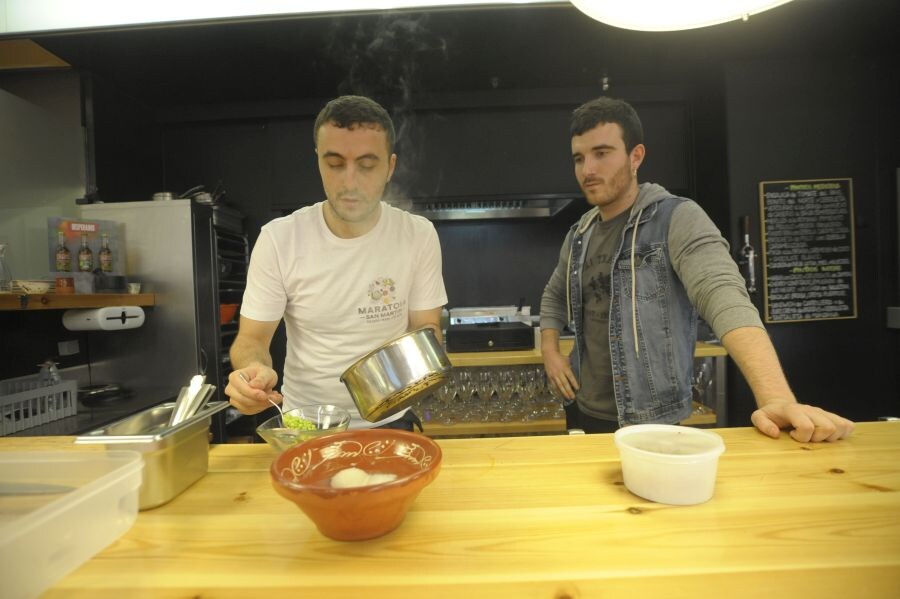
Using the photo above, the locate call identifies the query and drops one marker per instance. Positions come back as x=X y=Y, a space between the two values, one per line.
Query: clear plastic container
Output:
x=59 y=509
x=669 y=464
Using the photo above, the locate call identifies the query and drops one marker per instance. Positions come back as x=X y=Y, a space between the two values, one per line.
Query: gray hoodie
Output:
x=700 y=258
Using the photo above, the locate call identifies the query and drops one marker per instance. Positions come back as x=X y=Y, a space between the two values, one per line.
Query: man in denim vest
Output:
x=633 y=273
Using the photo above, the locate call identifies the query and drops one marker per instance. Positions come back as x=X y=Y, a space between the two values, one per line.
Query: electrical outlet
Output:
x=68 y=348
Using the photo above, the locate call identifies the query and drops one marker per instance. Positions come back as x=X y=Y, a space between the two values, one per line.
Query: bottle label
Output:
x=85 y=261
x=106 y=261
x=63 y=261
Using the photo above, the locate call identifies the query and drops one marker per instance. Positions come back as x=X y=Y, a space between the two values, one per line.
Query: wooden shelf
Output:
x=549 y=425
x=533 y=356
x=53 y=301
x=544 y=426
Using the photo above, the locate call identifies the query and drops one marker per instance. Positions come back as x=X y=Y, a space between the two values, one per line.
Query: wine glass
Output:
x=701 y=382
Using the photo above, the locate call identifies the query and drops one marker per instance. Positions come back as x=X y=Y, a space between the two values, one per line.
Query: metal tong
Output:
x=190 y=399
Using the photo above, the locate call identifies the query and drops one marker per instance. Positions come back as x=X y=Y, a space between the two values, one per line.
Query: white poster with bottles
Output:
x=84 y=246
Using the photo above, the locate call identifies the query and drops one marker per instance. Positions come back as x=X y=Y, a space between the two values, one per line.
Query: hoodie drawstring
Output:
x=634 y=286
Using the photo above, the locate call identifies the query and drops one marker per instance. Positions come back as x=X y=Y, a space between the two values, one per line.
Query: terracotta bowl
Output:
x=303 y=474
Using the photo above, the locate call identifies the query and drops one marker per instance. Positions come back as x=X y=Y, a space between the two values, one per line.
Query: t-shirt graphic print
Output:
x=383 y=303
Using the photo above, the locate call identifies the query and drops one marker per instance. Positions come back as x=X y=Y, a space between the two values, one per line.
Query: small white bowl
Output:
x=669 y=464
x=29 y=286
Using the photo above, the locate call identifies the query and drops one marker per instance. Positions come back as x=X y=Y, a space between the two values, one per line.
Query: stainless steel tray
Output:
x=174 y=457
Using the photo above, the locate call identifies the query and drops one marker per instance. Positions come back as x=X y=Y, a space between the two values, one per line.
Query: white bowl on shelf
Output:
x=32 y=286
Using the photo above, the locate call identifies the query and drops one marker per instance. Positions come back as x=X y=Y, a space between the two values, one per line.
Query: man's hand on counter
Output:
x=806 y=423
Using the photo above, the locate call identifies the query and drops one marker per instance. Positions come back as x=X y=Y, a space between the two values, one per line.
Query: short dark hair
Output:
x=608 y=110
x=345 y=112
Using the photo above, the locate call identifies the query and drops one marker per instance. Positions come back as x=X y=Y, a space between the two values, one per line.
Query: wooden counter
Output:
x=533 y=356
x=540 y=517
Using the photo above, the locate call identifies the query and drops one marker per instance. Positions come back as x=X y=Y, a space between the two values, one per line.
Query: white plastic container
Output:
x=59 y=509
x=669 y=464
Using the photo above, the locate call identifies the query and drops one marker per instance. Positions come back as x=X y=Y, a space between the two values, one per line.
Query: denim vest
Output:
x=654 y=384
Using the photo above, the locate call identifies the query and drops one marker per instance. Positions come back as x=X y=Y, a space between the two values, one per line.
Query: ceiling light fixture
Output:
x=31 y=16
x=671 y=15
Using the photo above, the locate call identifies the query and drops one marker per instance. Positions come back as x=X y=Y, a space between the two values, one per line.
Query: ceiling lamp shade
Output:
x=671 y=15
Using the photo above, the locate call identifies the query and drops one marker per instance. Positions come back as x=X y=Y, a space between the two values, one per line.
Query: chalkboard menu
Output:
x=808 y=249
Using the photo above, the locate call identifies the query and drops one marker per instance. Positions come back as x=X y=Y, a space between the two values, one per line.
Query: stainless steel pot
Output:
x=389 y=378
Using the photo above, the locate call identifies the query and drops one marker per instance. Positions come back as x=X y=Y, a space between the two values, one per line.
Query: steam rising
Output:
x=384 y=58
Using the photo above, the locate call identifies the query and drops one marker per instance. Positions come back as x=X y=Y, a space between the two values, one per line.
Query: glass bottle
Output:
x=747 y=257
x=63 y=255
x=85 y=256
x=5 y=275
x=106 y=256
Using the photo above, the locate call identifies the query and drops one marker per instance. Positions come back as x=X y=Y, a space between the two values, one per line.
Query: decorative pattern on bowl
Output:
x=378 y=451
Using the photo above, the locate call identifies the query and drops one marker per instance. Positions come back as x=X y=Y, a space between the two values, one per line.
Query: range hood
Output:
x=492 y=207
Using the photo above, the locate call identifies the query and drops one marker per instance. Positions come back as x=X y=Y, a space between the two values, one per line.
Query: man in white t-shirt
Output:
x=346 y=274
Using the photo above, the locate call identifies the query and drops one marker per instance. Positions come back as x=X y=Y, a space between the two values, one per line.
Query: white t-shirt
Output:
x=340 y=298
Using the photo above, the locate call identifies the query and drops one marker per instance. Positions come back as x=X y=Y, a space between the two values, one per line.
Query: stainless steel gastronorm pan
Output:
x=174 y=457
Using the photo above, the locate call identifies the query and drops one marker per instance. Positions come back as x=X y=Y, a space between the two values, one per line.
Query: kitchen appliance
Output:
x=484 y=314
x=389 y=378
x=193 y=258
x=490 y=336
x=492 y=207
x=490 y=328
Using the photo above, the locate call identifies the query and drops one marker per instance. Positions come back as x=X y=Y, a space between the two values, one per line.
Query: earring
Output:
x=634 y=172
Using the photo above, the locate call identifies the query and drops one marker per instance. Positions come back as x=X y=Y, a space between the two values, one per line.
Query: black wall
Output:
x=818 y=119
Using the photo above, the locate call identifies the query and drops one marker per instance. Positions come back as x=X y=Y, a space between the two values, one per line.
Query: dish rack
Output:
x=34 y=400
